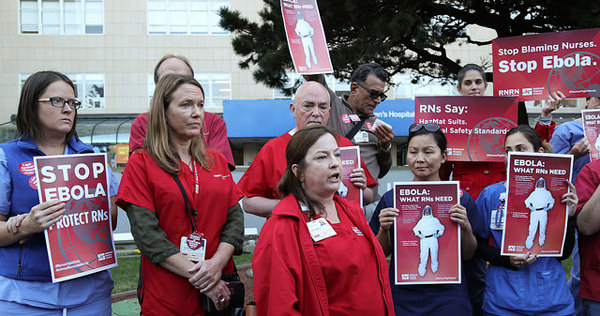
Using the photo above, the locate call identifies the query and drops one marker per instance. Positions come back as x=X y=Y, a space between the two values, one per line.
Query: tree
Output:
x=401 y=35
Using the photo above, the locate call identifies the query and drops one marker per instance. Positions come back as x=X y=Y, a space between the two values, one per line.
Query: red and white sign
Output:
x=531 y=67
x=81 y=243
x=535 y=219
x=350 y=160
x=426 y=241
x=474 y=126
x=305 y=37
x=591 y=128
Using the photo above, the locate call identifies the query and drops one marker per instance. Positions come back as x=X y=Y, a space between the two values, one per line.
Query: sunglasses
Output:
x=430 y=127
x=373 y=94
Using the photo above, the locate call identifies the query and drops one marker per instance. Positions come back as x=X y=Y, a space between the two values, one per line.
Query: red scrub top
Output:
x=145 y=184
x=344 y=272
x=267 y=168
x=586 y=184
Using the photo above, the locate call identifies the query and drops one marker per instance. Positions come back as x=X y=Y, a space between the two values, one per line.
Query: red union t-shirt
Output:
x=145 y=184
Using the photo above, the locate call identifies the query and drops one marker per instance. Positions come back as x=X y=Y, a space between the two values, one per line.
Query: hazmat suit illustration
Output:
x=305 y=32
x=540 y=201
x=597 y=144
x=428 y=228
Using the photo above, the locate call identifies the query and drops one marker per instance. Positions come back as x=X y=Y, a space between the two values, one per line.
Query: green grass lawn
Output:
x=125 y=275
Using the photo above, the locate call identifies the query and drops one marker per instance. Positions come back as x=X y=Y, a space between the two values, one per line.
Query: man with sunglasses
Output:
x=352 y=116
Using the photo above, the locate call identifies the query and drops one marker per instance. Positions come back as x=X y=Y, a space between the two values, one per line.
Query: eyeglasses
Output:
x=373 y=94
x=60 y=102
x=430 y=127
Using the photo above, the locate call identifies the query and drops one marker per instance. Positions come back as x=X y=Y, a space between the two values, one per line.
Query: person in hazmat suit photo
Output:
x=428 y=228
x=305 y=32
x=540 y=201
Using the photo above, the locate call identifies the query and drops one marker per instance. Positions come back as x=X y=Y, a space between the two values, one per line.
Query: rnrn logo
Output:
x=508 y=92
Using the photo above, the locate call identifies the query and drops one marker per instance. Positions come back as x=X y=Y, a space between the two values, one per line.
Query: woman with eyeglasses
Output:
x=524 y=284
x=46 y=120
x=426 y=153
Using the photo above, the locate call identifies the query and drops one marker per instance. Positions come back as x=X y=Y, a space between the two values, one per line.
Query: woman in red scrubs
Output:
x=317 y=255
x=182 y=205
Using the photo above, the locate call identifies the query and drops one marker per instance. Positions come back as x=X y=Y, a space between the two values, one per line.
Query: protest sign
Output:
x=426 y=241
x=591 y=128
x=474 y=126
x=81 y=242
x=350 y=160
x=535 y=219
x=531 y=67
x=305 y=37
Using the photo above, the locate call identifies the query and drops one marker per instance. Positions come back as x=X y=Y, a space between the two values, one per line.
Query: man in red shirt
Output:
x=311 y=105
x=588 y=228
x=215 y=130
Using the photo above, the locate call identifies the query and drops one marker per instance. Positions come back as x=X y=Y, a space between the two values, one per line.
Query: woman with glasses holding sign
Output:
x=426 y=153
x=183 y=207
x=46 y=120
x=523 y=284
x=316 y=255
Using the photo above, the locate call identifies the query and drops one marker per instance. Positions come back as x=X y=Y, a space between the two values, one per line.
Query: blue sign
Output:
x=271 y=118
x=257 y=118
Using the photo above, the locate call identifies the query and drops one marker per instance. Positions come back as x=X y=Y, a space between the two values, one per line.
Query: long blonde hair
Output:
x=157 y=140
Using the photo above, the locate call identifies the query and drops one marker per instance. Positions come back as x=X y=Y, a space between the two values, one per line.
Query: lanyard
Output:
x=191 y=212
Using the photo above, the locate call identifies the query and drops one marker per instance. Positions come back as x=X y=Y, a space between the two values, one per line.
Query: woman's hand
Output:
x=555 y=101
x=207 y=274
x=571 y=199
x=358 y=178
x=220 y=294
x=523 y=260
x=458 y=214
x=13 y=223
x=43 y=216
x=386 y=218
x=580 y=149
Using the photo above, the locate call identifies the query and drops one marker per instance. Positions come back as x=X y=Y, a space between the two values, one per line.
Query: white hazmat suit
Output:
x=343 y=190
x=597 y=144
x=305 y=32
x=428 y=228
x=540 y=201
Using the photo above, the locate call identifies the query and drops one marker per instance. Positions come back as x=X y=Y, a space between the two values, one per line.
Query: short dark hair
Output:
x=468 y=67
x=28 y=121
x=169 y=56
x=295 y=154
x=361 y=73
x=438 y=136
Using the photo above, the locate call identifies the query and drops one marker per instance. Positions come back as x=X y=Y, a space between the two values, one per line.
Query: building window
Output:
x=216 y=86
x=185 y=16
x=340 y=87
x=89 y=86
x=61 y=17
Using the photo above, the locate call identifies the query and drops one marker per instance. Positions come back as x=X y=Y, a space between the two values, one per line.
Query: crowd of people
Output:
x=318 y=253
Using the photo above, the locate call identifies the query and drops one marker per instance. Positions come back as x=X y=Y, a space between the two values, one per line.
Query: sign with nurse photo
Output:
x=535 y=218
x=305 y=37
x=591 y=128
x=426 y=241
x=81 y=242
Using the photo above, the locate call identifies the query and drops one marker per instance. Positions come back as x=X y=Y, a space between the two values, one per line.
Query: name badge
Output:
x=193 y=247
x=354 y=118
x=497 y=220
x=320 y=229
x=361 y=137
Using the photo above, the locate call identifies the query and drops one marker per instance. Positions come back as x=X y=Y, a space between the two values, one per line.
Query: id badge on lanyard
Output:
x=193 y=246
x=319 y=228
x=498 y=215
